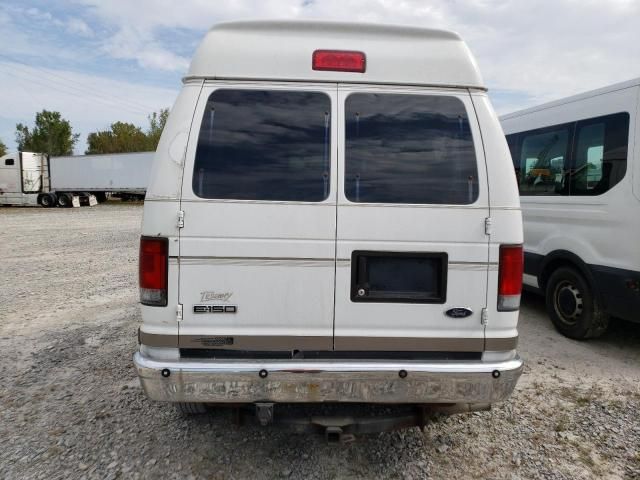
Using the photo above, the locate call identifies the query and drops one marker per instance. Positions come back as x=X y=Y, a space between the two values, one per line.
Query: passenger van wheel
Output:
x=191 y=408
x=573 y=308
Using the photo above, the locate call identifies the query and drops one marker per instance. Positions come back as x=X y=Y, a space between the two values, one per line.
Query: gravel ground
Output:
x=71 y=406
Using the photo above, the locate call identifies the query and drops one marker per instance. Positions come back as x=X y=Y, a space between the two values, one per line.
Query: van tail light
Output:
x=339 y=61
x=510 y=277
x=154 y=259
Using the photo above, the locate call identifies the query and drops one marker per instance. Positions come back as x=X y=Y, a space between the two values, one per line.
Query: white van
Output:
x=579 y=177
x=331 y=217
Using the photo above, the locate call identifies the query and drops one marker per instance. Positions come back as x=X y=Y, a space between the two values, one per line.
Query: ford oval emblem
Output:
x=459 y=312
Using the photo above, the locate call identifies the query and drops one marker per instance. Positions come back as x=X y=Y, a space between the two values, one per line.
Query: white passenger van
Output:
x=331 y=217
x=578 y=168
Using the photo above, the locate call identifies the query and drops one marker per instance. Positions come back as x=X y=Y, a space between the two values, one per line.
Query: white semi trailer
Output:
x=32 y=179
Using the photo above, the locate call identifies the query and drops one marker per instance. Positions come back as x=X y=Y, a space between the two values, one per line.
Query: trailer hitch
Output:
x=343 y=428
x=264 y=413
x=335 y=435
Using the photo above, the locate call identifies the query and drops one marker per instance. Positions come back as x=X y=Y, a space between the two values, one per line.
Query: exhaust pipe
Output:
x=333 y=434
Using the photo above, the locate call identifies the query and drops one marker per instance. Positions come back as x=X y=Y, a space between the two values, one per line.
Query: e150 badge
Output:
x=215 y=309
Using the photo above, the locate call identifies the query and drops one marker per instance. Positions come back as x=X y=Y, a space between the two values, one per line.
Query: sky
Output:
x=101 y=61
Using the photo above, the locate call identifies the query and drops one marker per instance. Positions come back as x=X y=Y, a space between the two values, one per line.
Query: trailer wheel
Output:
x=48 y=200
x=64 y=200
x=572 y=306
x=192 y=408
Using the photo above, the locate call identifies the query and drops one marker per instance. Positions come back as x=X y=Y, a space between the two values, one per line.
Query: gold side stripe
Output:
x=157 y=340
x=264 y=343
x=501 y=344
x=286 y=343
x=304 y=262
x=259 y=262
x=316 y=259
x=409 y=344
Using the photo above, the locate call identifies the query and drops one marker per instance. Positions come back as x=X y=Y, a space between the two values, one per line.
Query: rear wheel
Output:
x=572 y=306
x=48 y=200
x=191 y=408
x=64 y=200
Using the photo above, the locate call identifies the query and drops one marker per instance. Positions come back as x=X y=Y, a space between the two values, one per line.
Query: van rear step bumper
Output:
x=286 y=381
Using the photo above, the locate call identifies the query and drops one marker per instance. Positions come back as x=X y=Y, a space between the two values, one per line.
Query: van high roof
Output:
x=282 y=51
x=573 y=98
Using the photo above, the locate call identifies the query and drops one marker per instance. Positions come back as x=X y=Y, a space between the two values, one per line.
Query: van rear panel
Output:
x=277 y=254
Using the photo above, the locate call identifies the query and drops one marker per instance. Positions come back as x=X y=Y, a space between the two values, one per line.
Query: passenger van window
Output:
x=409 y=149
x=587 y=172
x=542 y=159
x=512 y=142
x=264 y=145
x=600 y=154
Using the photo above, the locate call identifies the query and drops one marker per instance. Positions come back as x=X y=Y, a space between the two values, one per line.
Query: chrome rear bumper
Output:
x=287 y=381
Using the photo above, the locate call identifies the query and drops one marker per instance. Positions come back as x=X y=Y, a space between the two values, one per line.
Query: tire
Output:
x=573 y=308
x=191 y=408
x=64 y=200
x=48 y=200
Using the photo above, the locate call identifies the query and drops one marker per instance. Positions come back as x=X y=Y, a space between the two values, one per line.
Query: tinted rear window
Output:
x=264 y=145
x=409 y=149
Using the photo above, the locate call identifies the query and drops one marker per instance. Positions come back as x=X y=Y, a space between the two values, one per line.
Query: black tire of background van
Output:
x=592 y=321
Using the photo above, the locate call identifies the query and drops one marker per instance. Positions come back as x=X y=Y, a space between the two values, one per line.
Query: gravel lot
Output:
x=71 y=406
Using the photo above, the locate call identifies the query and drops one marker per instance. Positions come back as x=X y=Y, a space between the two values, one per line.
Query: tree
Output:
x=157 y=121
x=51 y=134
x=126 y=137
x=3 y=149
x=120 y=138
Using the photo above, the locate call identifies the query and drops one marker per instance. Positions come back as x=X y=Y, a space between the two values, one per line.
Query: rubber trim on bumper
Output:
x=322 y=381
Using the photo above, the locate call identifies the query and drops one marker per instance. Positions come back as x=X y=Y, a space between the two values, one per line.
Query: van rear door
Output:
x=257 y=250
x=412 y=254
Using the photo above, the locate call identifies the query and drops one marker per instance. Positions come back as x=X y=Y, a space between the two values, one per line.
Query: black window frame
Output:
x=328 y=146
x=7 y=164
x=579 y=124
x=517 y=146
x=514 y=141
x=357 y=272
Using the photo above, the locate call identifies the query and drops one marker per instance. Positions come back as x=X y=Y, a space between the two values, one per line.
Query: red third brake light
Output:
x=510 y=277
x=154 y=256
x=339 y=61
